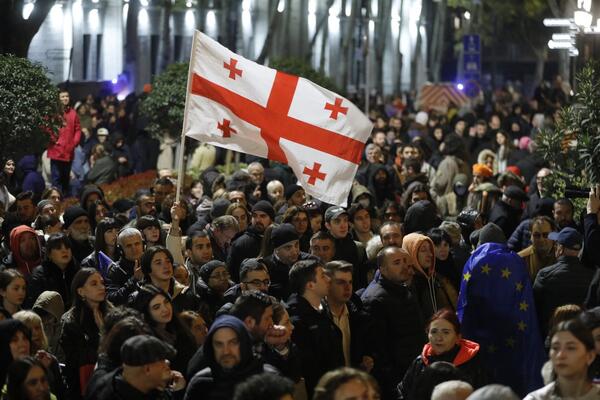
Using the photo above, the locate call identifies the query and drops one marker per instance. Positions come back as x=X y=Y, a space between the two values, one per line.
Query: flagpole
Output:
x=180 y=171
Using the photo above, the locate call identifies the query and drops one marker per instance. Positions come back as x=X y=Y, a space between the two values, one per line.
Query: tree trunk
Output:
x=381 y=34
x=16 y=33
x=414 y=63
x=540 y=62
x=165 y=37
x=437 y=45
x=266 y=49
x=324 y=47
x=131 y=45
x=320 y=24
x=346 y=40
x=398 y=77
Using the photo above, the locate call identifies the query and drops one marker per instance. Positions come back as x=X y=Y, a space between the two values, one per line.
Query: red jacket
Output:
x=61 y=147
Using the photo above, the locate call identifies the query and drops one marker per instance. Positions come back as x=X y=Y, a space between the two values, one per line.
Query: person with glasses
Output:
x=254 y=275
x=541 y=252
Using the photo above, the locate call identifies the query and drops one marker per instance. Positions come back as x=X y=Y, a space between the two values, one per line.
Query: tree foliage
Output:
x=29 y=107
x=573 y=148
x=300 y=68
x=164 y=106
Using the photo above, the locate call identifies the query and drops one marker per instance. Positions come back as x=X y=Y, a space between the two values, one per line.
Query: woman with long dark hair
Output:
x=97 y=211
x=105 y=246
x=572 y=353
x=28 y=380
x=81 y=328
x=157 y=308
x=12 y=291
x=445 y=344
x=298 y=217
x=149 y=225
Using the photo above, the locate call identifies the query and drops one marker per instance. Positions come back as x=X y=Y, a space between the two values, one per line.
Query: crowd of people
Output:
x=451 y=274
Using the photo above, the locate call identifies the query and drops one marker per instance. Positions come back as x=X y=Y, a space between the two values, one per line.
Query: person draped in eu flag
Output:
x=496 y=310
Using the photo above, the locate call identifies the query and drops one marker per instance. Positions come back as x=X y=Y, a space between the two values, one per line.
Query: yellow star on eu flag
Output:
x=523 y=306
x=519 y=286
x=467 y=276
x=510 y=342
x=506 y=273
x=522 y=326
x=486 y=269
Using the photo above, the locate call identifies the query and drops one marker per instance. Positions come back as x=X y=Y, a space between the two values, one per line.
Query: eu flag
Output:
x=104 y=263
x=496 y=310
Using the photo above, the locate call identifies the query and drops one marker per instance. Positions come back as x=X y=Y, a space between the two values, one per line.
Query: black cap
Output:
x=515 y=192
x=290 y=190
x=122 y=205
x=265 y=207
x=333 y=212
x=568 y=237
x=71 y=214
x=145 y=349
x=283 y=234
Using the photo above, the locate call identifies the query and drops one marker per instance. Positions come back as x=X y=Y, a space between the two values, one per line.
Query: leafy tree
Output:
x=300 y=68
x=573 y=148
x=29 y=107
x=164 y=106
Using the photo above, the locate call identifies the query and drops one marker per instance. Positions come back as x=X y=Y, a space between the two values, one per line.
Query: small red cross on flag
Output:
x=314 y=173
x=225 y=128
x=277 y=116
x=233 y=71
x=336 y=108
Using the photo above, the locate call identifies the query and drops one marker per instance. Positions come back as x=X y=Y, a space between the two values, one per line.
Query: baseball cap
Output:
x=102 y=132
x=333 y=212
x=145 y=349
x=568 y=237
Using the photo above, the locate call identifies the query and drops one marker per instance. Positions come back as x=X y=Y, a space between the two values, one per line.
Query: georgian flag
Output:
x=238 y=104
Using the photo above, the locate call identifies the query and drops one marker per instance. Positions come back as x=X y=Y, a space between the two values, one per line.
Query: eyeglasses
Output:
x=258 y=282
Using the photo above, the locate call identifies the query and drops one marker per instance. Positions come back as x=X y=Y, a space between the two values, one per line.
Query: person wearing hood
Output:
x=25 y=250
x=380 y=184
x=50 y=307
x=228 y=353
x=32 y=179
x=432 y=292
x=398 y=330
x=121 y=154
x=506 y=213
x=420 y=217
x=445 y=344
x=453 y=163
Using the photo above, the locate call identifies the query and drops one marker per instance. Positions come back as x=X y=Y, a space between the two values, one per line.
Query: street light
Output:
x=583 y=19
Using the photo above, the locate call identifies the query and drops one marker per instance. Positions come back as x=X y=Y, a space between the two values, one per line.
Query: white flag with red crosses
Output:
x=243 y=106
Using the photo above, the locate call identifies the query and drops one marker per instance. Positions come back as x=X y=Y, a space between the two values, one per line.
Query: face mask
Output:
x=365 y=202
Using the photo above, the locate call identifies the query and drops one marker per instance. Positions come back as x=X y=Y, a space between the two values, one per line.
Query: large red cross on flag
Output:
x=243 y=106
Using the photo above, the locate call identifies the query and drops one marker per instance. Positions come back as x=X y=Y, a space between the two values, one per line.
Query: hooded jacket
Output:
x=215 y=382
x=433 y=292
x=32 y=179
x=15 y=260
x=464 y=356
x=421 y=216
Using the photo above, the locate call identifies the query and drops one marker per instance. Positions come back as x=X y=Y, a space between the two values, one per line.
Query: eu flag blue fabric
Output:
x=104 y=262
x=496 y=310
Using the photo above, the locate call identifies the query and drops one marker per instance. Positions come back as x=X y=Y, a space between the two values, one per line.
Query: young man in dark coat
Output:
x=506 y=213
x=228 y=353
x=317 y=337
x=398 y=332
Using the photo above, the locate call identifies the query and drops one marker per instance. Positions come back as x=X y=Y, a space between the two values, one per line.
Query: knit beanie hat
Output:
x=265 y=207
x=290 y=190
x=207 y=269
x=71 y=214
x=283 y=234
x=491 y=233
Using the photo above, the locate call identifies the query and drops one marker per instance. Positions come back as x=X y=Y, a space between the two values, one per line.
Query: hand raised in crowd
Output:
x=177 y=213
x=45 y=358
x=367 y=363
x=177 y=381
x=137 y=271
x=593 y=203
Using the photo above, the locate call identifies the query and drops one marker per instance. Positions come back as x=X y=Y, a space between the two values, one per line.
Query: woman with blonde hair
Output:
x=39 y=340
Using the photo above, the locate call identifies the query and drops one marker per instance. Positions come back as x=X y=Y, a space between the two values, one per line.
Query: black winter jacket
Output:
x=398 y=331
x=279 y=273
x=318 y=339
x=245 y=246
x=49 y=276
